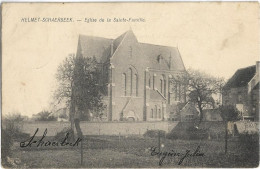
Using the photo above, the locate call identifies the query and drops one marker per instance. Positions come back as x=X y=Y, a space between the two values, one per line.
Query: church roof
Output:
x=101 y=48
x=90 y=46
x=241 y=77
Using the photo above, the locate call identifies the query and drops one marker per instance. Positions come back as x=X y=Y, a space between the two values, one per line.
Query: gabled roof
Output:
x=101 y=48
x=90 y=46
x=189 y=108
x=241 y=77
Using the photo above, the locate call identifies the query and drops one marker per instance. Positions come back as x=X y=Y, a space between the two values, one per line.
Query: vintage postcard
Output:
x=130 y=85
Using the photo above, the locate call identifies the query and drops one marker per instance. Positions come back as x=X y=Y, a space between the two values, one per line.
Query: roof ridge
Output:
x=157 y=45
x=80 y=35
x=124 y=35
x=246 y=67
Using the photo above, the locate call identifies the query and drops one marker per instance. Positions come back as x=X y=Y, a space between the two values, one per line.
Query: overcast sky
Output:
x=218 y=38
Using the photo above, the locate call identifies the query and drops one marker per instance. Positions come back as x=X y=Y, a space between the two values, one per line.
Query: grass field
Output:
x=114 y=151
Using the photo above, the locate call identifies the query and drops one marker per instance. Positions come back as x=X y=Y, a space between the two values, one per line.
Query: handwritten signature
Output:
x=41 y=142
x=172 y=153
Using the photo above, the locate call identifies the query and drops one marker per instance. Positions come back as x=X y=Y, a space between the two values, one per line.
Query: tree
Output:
x=63 y=93
x=78 y=79
x=229 y=113
x=45 y=116
x=199 y=87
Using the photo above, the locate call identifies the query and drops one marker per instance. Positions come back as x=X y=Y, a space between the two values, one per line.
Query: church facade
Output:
x=136 y=77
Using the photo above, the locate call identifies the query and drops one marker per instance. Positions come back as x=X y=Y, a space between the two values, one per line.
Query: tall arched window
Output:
x=136 y=85
x=159 y=112
x=179 y=92
x=149 y=82
x=161 y=84
x=130 y=81
x=124 y=83
x=153 y=81
x=176 y=93
x=164 y=86
x=151 y=113
x=155 y=112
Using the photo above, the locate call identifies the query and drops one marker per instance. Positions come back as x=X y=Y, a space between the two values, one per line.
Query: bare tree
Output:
x=78 y=86
x=199 y=88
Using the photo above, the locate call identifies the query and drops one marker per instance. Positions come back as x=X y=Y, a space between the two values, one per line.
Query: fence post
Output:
x=159 y=143
x=226 y=136
x=81 y=152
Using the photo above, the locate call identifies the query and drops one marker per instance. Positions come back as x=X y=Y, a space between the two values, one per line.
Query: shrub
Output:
x=6 y=144
x=189 y=133
x=12 y=125
x=11 y=131
x=62 y=134
x=154 y=133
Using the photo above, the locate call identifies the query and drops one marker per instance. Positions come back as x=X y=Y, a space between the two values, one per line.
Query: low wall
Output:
x=99 y=128
x=247 y=127
x=122 y=128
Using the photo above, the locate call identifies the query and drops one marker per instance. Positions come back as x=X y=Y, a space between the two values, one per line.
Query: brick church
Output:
x=136 y=77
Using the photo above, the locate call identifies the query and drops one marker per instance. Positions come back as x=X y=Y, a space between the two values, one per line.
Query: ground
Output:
x=133 y=151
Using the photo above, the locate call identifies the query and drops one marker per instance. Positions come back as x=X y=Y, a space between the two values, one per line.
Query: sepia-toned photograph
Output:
x=130 y=85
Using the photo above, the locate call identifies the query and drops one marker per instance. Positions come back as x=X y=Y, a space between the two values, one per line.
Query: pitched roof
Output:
x=167 y=54
x=90 y=46
x=241 y=77
x=99 y=47
x=189 y=108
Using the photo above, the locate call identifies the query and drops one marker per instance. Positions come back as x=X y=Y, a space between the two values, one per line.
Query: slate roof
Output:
x=90 y=46
x=241 y=77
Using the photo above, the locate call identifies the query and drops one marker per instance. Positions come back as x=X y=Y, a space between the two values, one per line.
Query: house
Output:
x=135 y=76
x=189 y=112
x=211 y=115
x=242 y=91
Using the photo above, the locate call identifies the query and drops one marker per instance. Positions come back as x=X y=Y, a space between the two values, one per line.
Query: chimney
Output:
x=257 y=67
x=112 y=49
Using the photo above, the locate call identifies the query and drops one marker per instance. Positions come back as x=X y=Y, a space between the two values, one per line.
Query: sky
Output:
x=217 y=38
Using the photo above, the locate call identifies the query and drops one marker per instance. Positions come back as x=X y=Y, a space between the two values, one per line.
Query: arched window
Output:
x=159 y=112
x=124 y=82
x=149 y=82
x=155 y=110
x=176 y=92
x=136 y=85
x=179 y=92
x=151 y=113
x=153 y=81
x=164 y=86
x=130 y=81
x=161 y=83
